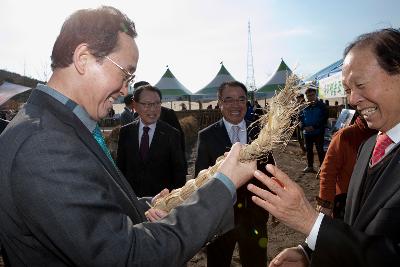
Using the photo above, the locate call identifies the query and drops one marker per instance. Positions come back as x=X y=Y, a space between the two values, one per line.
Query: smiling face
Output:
x=106 y=80
x=148 y=107
x=232 y=104
x=370 y=89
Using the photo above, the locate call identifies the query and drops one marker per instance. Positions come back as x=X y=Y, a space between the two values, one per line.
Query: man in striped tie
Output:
x=250 y=230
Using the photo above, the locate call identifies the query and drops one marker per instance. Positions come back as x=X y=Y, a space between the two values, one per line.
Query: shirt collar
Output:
x=151 y=126
x=229 y=125
x=79 y=111
x=394 y=133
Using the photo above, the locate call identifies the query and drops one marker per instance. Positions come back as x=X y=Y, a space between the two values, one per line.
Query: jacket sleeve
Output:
x=71 y=206
x=203 y=157
x=340 y=245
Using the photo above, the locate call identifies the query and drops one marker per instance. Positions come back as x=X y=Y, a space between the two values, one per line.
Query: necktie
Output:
x=235 y=134
x=382 y=142
x=100 y=140
x=144 y=143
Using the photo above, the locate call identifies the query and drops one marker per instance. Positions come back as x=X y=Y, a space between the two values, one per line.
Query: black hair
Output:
x=231 y=84
x=147 y=87
x=385 y=44
x=98 y=28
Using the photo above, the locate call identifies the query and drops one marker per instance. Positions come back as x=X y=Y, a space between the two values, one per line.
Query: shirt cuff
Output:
x=228 y=183
x=311 y=239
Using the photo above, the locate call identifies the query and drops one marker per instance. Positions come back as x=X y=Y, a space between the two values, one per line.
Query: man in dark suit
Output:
x=63 y=202
x=251 y=221
x=369 y=235
x=167 y=115
x=128 y=115
x=3 y=125
x=163 y=164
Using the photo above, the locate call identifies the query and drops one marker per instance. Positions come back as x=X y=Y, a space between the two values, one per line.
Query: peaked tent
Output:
x=209 y=92
x=276 y=81
x=171 y=88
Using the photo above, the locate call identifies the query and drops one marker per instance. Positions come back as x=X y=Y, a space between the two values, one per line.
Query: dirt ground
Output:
x=292 y=161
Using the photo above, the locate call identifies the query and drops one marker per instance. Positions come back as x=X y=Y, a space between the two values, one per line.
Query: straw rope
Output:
x=277 y=127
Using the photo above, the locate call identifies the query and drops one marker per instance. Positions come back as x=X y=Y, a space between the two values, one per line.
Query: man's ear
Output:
x=81 y=57
x=134 y=104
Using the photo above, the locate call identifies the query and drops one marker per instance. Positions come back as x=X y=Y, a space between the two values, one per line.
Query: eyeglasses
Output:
x=150 y=105
x=129 y=77
x=230 y=100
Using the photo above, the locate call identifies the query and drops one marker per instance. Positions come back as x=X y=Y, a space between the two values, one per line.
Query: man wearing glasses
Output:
x=250 y=221
x=149 y=150
x=63 y=201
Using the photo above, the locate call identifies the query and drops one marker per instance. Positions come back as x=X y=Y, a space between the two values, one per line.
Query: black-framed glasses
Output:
x=231 y=100
x=129 y=78
x=150 y=105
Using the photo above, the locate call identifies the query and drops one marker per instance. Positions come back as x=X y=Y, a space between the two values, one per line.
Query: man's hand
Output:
x=290 y=257
x=238 y=172
x=154 y=214
x=286 y=202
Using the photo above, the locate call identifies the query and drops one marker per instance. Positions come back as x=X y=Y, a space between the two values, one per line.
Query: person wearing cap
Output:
x=312 y=122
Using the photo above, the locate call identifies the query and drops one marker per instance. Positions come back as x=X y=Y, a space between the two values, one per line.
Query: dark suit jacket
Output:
x=213 y=142
x=168 y=115
x=63 y=202
x=370 y=235
x=3 y=125
x=127 y=116
x=165 y=166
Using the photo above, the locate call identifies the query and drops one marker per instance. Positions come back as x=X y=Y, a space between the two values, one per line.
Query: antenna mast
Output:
x=250 y=81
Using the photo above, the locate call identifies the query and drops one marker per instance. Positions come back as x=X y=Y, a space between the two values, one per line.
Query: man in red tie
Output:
x=149 y=150
x=369 y=235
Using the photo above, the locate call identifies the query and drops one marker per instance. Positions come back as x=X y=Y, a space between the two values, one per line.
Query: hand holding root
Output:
x=277 y=126
x=286 y=202
x=154 y=214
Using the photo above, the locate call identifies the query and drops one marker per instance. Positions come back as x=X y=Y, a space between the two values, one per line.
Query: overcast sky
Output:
x=193 y=36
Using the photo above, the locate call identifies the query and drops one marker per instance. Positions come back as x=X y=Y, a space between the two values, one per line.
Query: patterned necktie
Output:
x=382 y=142
x=144 y=143
x=100 y=140
x=235 y=134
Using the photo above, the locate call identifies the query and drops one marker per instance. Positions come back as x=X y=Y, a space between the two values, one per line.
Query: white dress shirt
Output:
x=151 y=131
x=311 y=240
x=242 y=131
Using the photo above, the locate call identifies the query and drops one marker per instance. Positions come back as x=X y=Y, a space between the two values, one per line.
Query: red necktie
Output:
x=144 y=143
x=382 y=142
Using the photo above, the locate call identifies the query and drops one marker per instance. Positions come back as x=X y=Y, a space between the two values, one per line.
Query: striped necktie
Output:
x=382 y=142
x=100 y=140
x=235 y=134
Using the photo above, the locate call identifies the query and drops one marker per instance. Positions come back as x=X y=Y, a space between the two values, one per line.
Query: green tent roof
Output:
x=209 y=92
x=277 y=80
x=170 y=87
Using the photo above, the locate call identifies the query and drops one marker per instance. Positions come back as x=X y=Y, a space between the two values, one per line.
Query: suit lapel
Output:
x=387 y=184
x=354 y=194
x=133 y=136
x=68 y=117
x=222 y=136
